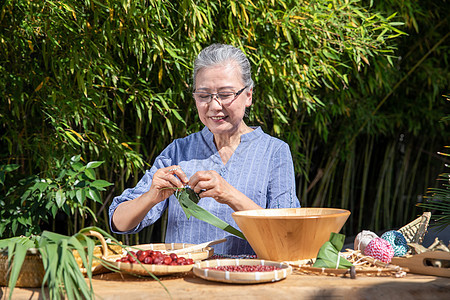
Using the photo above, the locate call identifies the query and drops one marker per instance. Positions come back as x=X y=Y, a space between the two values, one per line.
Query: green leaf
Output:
x=169 y=126
x=94 y=164
x=77 y=166
x=100 y=184
x=81 y=196
x=5 y=169
x=90 y=173
x=54 y=210
x=70 y=136
x=75 y=158
x=14 y=226
x=9 y=168
x=17 y=249
x=60 y=198
x=328 y=256
x=187 y=198
x=41 y=186
x=94 y=195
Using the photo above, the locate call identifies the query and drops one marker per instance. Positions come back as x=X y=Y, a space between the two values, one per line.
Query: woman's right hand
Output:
x=166 y=181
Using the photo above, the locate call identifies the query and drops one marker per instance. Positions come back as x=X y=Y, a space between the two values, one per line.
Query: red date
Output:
x=156 y=258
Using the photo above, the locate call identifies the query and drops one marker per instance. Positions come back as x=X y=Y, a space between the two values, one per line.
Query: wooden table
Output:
x=295 y=286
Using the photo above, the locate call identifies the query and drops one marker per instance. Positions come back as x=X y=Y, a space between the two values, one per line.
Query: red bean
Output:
x=245 y=268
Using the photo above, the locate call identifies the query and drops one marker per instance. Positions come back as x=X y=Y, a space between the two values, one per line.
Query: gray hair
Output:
x=217 y=54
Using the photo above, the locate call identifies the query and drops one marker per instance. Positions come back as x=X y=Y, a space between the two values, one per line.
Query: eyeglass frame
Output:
x=211 y=95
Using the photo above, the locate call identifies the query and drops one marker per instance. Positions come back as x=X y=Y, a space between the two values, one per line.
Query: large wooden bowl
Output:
x=289 y=234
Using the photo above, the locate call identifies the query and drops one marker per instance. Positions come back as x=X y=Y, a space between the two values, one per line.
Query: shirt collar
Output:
x=257 y=132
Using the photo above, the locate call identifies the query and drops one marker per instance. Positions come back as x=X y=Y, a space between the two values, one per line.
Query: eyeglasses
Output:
x=224 y=97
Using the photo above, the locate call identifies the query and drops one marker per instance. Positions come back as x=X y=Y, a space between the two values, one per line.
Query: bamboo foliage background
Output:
x=354 y=87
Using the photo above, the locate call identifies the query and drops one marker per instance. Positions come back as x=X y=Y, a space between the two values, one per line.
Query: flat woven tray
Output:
x=364 y=266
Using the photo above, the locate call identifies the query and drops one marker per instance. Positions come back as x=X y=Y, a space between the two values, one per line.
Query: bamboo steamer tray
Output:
x=201 y=270
x=434 y=263
x=160 y=270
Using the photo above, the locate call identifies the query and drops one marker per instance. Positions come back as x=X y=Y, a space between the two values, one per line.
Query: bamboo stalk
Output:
x=367 y=156
x=412 y=180
x=400 y=186
x=387 y=197
x=380 y=187
x=325 y=182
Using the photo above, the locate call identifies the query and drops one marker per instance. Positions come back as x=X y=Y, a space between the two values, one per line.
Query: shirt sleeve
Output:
x=281 y=189
x=142 y=187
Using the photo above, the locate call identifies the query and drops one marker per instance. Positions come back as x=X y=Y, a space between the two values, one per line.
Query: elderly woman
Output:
x=232 y=166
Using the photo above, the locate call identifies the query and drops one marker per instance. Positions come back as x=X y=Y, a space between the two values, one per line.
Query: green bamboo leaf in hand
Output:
x=188 y=200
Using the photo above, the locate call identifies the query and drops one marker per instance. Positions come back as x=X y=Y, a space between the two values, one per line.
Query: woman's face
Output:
x=222 y=119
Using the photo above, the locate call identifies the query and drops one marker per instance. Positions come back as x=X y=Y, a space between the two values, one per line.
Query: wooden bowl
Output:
x=289 y=234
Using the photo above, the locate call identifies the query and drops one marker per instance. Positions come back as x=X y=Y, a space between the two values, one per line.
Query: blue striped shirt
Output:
x=261 y=167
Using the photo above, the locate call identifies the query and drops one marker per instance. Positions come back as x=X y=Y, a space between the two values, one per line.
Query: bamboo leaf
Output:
x=70 y=136
x=187 y=197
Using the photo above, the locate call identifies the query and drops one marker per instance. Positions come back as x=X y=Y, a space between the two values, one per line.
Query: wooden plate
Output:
x=159 y=270
x=200 y=269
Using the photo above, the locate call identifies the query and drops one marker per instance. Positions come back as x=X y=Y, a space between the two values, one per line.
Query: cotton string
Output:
x=363 y=239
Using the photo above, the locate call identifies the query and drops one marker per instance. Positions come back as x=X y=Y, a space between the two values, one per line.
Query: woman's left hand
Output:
x=211 y=184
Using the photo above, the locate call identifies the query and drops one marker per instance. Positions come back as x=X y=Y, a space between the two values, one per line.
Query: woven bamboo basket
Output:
x=103 y=251
x=32 y=271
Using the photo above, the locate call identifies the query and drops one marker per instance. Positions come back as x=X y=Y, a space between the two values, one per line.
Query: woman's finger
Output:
x=180 y=174
x=171 y=177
